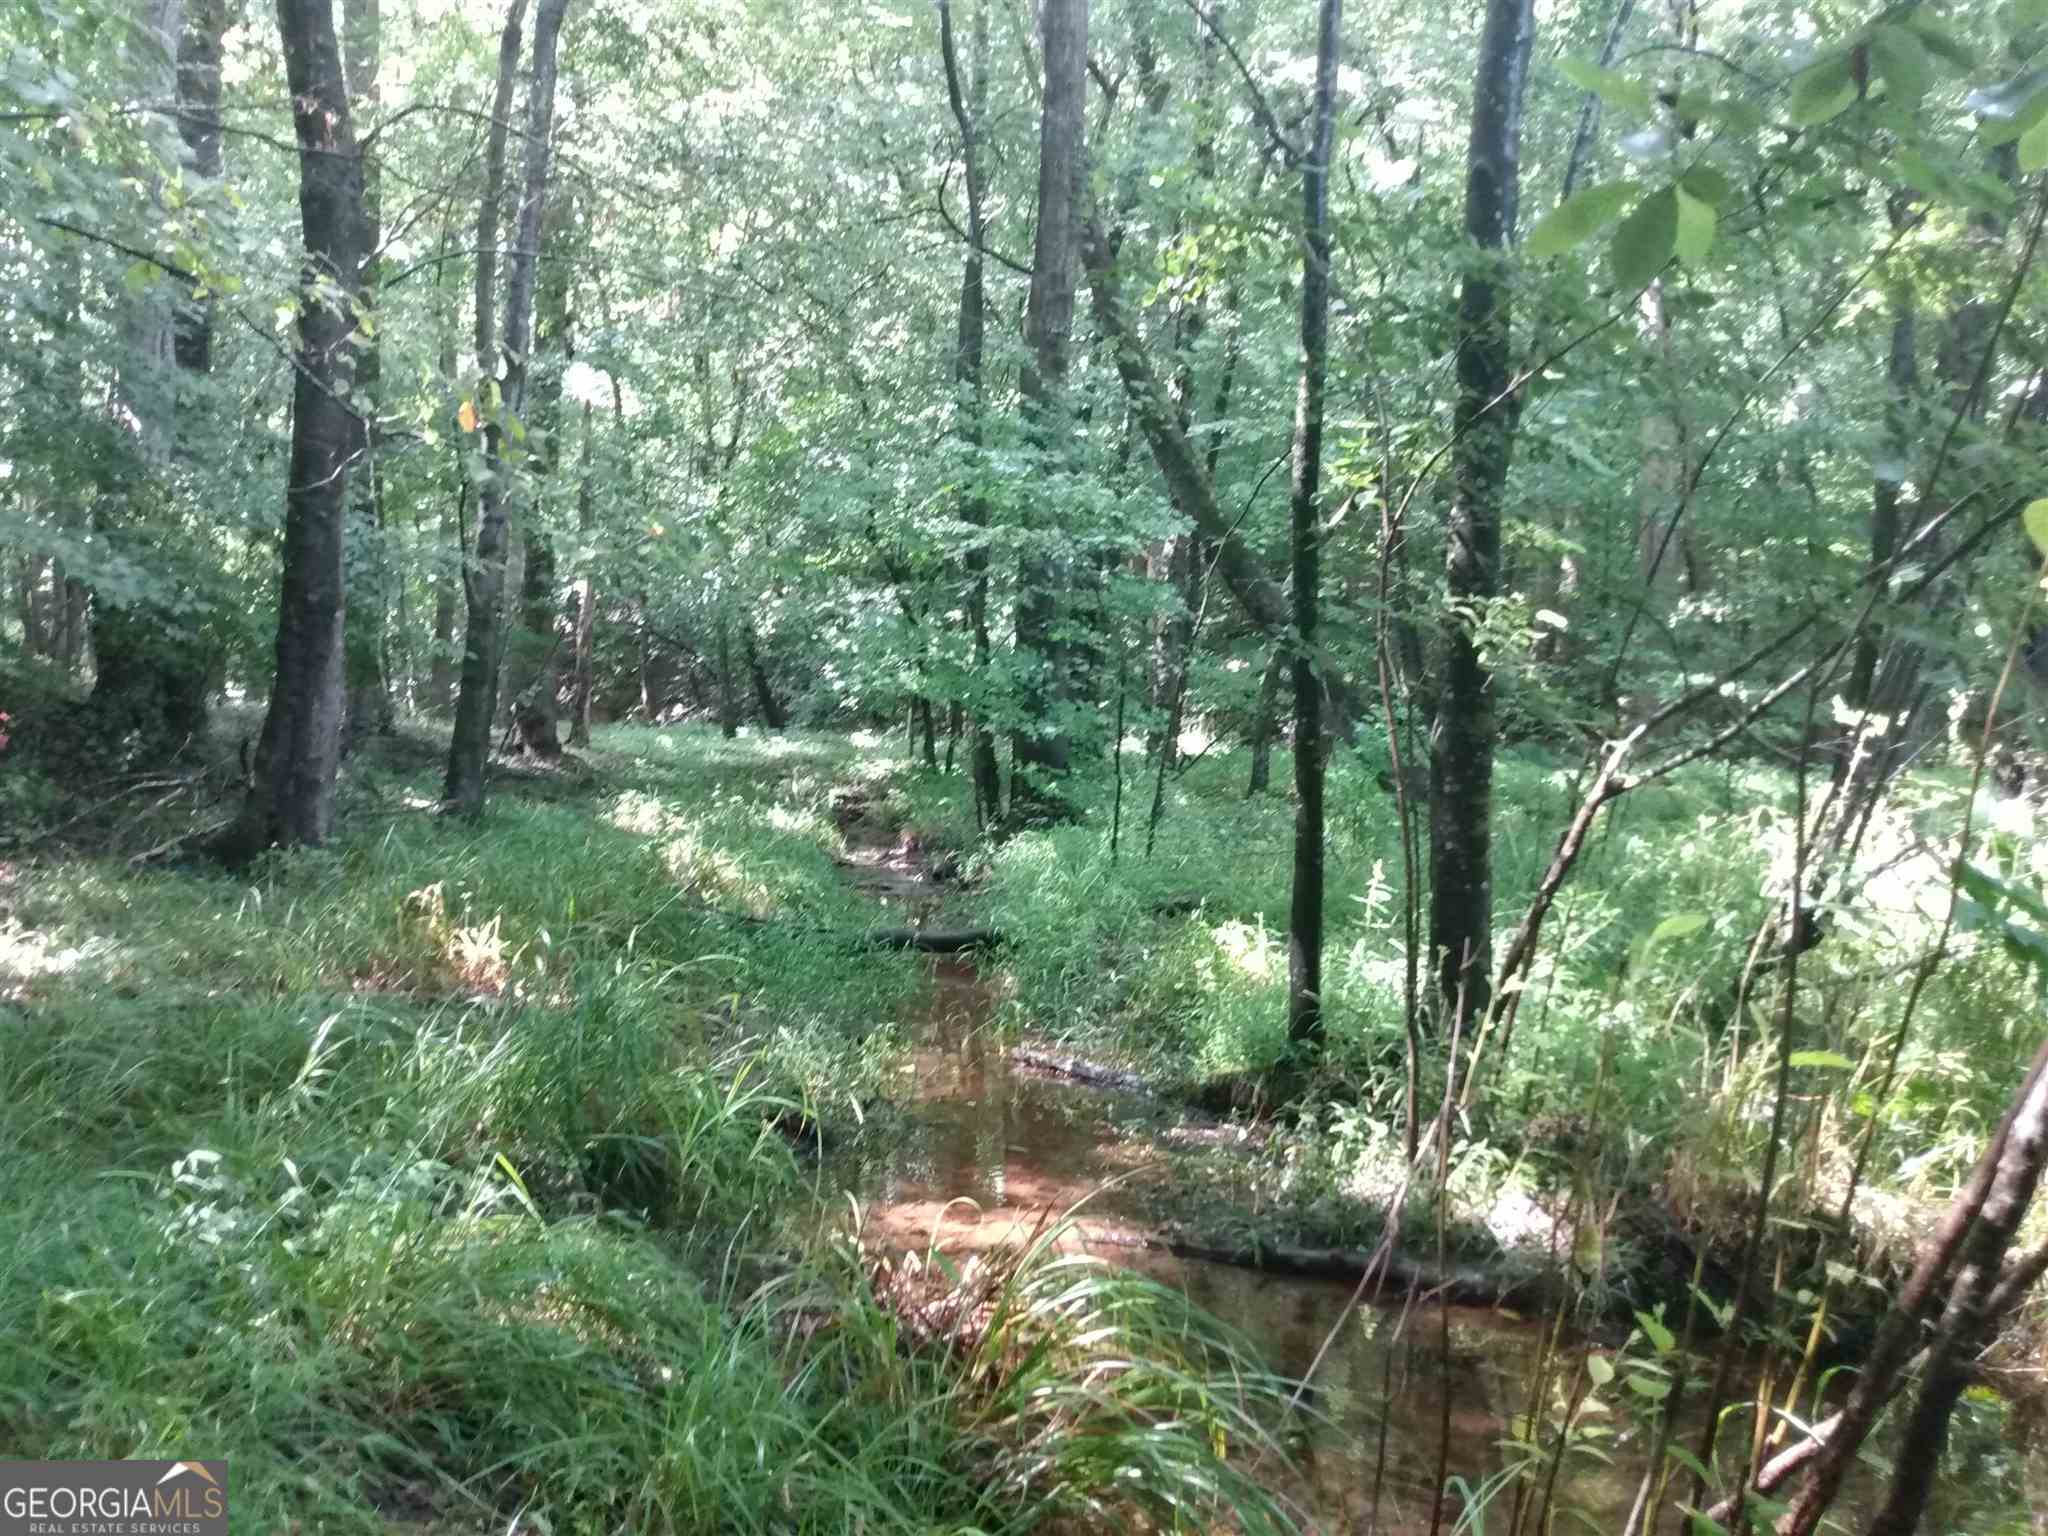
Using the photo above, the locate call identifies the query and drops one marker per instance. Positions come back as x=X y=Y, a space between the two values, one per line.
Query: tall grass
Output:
x=440 y=1173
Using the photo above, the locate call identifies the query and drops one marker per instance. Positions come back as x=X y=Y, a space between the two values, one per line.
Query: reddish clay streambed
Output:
x=982 y=1151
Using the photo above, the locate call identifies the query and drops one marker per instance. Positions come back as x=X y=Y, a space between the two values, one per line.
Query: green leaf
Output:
x=1577 y=219
x=1822 y=92
x=1940 y=42
x=1600 y=1368
x=2034 y=148
x=1645 y=240
x=138 y=277
x=2035 y=521
x=1648 y=1386
x=1687 y=1460
x=1708 y=185
x=1653 y=1327
x=1615 y=90
x=1695 y=233
x=1900 y=60
x=2029 y=14
x=2009 y=110
x=1833 y=1060
x=1679 y=926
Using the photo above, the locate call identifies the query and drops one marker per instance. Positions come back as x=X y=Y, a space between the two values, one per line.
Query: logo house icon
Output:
x=181 y=1468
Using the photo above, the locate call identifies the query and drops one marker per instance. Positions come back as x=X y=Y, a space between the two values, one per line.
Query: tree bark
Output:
x=968 y=110
x=1965 y=1322
x=1461 y=765
x=1902 y=379
x=585 y=631
x=291 y=794
x=1955 y=1238
x=369 y=708
x=1041 y=750
x=1305 y=913
x=538 y=645
x=199 y=57
x=484 y=579
x=773 y=715
x=728 y=683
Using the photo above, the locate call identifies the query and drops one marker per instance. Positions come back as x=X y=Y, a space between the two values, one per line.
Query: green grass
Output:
x=1628 y=1067
x=438 y=1172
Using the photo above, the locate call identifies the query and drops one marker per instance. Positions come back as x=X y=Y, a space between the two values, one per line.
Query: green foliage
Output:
x=405 y=1179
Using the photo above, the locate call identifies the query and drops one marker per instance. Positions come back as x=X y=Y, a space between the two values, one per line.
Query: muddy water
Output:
x=981 y=1151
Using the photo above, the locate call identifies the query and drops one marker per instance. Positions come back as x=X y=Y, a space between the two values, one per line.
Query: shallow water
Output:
x=980 y=1151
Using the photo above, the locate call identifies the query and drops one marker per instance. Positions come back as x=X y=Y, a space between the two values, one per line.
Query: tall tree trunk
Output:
x=369 y=706
x=199 y=56
x=773 y=715
x=1305 y=914
x=728 y=682
x=1461 y=764
x=454 y=535
x=580 y=662
x=536 y=673
x=291 y=795
x=1902 y=381
x=484 y=581
x=968 y=110
x=1041 y=750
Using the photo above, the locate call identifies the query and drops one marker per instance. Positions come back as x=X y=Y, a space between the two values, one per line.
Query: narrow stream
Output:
x=982 y=1151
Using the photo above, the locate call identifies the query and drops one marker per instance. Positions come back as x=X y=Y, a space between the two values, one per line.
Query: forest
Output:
x=1028 y=765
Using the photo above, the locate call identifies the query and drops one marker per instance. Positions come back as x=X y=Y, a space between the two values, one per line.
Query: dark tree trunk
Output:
x=1461 y=765
x=1305 y=914
x=1973 y=1234
x=1040 y=752
x=580 y=662
x=291 y=794
x=1966 y=1321
x=967 y=369
x=773 y=715
x=535 y=669
x=369 y=709
x=441 y=670
x=484 y=579
x=728 y=683
x=199 y=55
x=1902 y=376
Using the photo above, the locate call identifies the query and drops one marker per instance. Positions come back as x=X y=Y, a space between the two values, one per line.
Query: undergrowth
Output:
x=447 y=1174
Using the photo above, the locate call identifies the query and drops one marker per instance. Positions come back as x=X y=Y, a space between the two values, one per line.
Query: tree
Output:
x=291 y=794
x=1305 y=917
x=969 y=109
x=476 y=704
x=1461 y=763
x=1041 y=750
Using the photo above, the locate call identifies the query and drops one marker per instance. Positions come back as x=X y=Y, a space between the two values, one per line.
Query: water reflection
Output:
x=1407 y=1399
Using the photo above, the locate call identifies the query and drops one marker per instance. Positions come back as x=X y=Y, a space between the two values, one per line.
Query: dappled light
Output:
x=1154 y=765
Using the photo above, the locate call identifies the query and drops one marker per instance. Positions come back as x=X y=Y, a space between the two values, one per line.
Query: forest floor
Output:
x=445 y=1173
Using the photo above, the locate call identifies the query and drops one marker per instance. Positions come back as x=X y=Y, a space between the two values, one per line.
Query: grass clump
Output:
x=445 y=1173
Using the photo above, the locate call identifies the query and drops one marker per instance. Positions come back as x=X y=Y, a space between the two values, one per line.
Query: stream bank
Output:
x=983 y=1144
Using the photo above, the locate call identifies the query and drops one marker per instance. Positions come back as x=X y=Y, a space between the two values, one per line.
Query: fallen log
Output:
x=1082 y=1071
x=1465 y=1285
